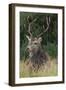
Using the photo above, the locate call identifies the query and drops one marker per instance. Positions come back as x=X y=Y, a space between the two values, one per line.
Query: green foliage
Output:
x=51 y=48
x=49 y=39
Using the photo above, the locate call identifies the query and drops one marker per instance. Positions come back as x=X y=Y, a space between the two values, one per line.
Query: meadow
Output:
x=49 y=69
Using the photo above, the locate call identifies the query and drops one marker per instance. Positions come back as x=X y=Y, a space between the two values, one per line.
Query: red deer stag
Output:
x=37 y=56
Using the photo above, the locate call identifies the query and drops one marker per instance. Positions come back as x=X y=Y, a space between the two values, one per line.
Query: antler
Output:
x=48 y=23
x=29 y=28
x=30 y=22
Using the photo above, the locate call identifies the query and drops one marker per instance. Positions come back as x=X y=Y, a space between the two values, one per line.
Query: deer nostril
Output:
x=29 y=50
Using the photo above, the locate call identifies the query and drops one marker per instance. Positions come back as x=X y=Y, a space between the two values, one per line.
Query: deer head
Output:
x=34 y=43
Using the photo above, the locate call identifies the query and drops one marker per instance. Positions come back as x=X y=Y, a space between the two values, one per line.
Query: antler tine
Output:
x=48 y=20
x=34 y=20
x=48 y=23
x=29 y=27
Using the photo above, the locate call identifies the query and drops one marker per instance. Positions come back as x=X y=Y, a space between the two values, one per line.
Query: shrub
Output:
x=51 y=48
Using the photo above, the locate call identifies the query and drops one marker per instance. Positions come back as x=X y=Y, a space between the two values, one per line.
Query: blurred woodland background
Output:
x=49 y=39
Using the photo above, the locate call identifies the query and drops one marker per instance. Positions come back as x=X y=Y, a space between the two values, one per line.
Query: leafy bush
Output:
x=51 y=48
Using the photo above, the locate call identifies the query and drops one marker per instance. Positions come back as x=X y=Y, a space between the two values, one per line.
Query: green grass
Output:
x=49 y=69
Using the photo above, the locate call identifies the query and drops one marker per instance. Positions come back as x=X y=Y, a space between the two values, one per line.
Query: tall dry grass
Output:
x=49 y=69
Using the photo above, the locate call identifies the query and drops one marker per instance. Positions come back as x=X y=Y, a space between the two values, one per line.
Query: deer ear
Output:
x=27 y=37
x=40 y=39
